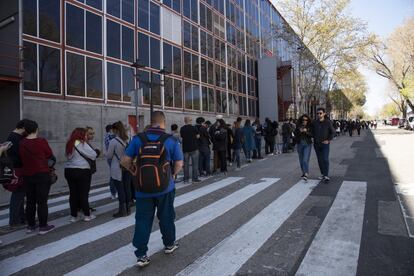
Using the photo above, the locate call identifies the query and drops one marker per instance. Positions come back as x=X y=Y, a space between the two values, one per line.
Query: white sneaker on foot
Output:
x=89 y=218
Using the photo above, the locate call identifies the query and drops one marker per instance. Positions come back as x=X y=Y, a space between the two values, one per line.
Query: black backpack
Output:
x=153 y=174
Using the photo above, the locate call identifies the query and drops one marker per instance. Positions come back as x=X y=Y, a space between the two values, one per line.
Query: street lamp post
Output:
x=136 y=65
x=163 y=72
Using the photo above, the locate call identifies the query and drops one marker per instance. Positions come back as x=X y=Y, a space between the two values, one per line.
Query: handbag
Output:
x=92 y=163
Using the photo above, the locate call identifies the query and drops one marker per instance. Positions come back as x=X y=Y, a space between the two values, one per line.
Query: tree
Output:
x=332 y=37
x=389 y=110
x=393 y=59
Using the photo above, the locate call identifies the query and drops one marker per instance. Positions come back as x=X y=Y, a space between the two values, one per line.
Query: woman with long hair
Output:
x=78 y=173
x=303 y=139
x=120 y=177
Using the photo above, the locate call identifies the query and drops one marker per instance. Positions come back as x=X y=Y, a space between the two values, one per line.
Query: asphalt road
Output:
x=262 y=220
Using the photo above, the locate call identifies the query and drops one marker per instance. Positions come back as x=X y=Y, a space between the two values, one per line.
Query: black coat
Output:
x=322 y=131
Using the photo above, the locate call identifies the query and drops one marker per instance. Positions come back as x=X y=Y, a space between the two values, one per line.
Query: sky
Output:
x=382 y=16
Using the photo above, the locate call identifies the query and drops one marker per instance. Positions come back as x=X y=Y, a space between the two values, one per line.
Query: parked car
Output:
x=395 y=121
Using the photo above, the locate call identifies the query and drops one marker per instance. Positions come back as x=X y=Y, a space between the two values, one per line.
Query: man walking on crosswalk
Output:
x=164 y=148
x=323 y=133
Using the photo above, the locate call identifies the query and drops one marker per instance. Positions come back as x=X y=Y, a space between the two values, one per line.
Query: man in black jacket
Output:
x=204 y=147
x=323 y=133
x=190 y=136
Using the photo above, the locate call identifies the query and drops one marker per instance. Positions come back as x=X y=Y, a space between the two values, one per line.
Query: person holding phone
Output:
x=303 y=139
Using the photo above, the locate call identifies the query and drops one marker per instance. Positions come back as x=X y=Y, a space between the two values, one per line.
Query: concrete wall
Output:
x=268 y=87
x=57 y=119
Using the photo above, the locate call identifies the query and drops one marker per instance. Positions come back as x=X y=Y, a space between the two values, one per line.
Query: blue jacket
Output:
x=249 y=143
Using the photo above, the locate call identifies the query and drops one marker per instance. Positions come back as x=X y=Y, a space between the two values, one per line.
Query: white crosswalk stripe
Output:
x=121 y=259
x=228 y=256
x=44 y=252
x=62 y=198
x=335 y=249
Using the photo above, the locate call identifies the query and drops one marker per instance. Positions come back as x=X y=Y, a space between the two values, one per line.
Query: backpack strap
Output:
x=143 y=137
x=164 y=137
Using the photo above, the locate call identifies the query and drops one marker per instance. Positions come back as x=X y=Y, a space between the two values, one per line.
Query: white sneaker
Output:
x=230 y=164
x=321 y=177
x=238 y=169
x=89 y=218
x=74 y=219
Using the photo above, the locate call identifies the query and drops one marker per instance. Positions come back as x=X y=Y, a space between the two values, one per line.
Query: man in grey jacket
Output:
x=323 y=133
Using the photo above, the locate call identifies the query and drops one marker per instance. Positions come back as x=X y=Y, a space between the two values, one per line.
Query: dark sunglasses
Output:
x=305 y=120
x=320 y=113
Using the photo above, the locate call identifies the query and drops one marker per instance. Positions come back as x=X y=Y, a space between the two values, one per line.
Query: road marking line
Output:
x=16 y=263
x=229 y=255
x=63 y=206
x=123 y=258
x=335 y=248
x=261 y=160
x=61 y=198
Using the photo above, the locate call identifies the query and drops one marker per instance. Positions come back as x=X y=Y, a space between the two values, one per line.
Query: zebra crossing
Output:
x=333 y=251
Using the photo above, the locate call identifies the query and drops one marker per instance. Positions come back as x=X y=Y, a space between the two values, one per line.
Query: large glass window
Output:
x=30 y=17
x=190 y=9
x=128 y=10
x=97 y=4
x=49 y=69
x=187 y=65
x=94 y=78
x=49 y=19
x=74 y=26
x=149 y=16
x=155 y=18
x=93 y=32
x=178 y=94
x=188 y=91
x=155 y=53
x=143 y=14
x=128 y=83
x=190 y=34
x=156 y=89
x=177 y=60
x=174 y=4
x=75 y=74
x=113 y=35
x=143 y=49
x=168 y=92
x=114 y=91
x=113 y=7
x=195 y=68
x=208 y=99
x=30 y=66
x=127 y=44
x=167 y=57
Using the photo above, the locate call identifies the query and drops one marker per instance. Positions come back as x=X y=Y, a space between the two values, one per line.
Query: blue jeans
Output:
x=112 y=187
x=285 y=143
x=144 y=217
x=17 y=215
x=194 y=163
x=304 y=151
x=322 y=152
x=204 y=161
x=236 y=153
x=258 y=151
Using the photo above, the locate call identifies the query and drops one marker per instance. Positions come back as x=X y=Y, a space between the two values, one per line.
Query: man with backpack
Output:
x=154 y=151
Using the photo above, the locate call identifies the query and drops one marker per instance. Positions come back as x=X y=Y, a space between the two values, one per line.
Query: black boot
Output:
x=128 y=209
x=121 y=211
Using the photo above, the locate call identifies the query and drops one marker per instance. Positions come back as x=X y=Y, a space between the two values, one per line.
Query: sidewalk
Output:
x=61 y=186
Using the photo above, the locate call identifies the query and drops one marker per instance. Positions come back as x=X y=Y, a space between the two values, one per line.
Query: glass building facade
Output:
x=82 y=51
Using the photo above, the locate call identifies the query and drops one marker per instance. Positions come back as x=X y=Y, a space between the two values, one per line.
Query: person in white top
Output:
x=119 y=177
x=78 y=173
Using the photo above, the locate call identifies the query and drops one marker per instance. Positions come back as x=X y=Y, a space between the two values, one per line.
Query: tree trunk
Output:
x=410 y=104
